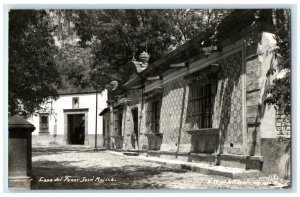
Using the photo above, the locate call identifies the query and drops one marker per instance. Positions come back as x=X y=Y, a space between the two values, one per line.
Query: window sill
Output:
x=207 y=131
x=44 y=133
x=153 y=134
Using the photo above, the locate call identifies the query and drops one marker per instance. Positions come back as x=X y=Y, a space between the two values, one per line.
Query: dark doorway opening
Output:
x=135 y=135
x=76 y=128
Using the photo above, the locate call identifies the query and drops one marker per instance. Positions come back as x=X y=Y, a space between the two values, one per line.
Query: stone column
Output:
x=65 y=128
x=20 y=148
x=86 y=128
x=111 y=128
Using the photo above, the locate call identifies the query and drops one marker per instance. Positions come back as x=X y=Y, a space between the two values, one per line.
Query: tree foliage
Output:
x=115 y=35
x=75 y=69
x=74 y=62
x=79 y=50
x=33 y=74
x=280 y=90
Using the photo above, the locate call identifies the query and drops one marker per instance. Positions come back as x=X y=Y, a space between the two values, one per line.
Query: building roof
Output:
x=104 y=111
x=233 y=24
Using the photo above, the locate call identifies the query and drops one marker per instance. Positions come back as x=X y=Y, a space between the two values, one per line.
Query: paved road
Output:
x=76 y=167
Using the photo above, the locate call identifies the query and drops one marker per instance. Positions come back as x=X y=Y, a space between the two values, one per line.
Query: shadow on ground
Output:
x=127 y=176
x=116 y=171
x=37 y=151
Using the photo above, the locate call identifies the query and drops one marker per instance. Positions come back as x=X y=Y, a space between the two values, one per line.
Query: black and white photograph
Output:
x=149 y=99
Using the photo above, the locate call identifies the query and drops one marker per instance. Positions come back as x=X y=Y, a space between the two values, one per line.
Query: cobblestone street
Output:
x=76 y=167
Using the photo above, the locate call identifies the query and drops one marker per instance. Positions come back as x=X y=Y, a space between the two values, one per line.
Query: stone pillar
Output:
x=19 y=162
x=65 y=128
x=110 y=128
x=86 y=128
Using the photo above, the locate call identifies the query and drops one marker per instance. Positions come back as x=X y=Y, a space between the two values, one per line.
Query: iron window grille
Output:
x=44 y=123
x=201 y=103
x=153 y=114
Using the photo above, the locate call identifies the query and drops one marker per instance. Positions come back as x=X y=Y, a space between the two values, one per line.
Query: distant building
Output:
x=205 y=102
x=69 y=120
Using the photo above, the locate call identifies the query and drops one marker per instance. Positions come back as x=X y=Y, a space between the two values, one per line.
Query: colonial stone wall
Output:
x=171 y=114
x=268 y=129
x=57 y=119
x=47 y=140
x=136 y=101
x=50 y=140
x=127 y=128
x=106 y=133
x=185 y=138
x=253 y=88
x=228 y=109
x=276 y=156
x=236 y=102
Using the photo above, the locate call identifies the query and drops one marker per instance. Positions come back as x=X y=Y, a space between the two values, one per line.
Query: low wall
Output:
x=46 y=140
x=276 y=156
x=226 y=160
x=50 y=140
x=92 y=140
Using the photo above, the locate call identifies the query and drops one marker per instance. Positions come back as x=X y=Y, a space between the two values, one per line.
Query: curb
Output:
x=234 y=173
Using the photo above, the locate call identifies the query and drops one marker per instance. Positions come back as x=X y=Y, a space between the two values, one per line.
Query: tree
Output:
x=188 y=23
x=33 y=73
x=75 y=68
x=74 y=62
x=115 y=35
x=280 y=90
x=44 y=55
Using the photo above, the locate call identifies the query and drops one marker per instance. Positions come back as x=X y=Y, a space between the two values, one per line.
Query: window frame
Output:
x=156 y=108
x=196 y=83
x=44 y=127
x=201 y=101
x=154 y=103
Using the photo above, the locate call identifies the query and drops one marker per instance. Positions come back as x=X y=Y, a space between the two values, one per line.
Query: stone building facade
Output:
x=69 y=120
x=210 y=109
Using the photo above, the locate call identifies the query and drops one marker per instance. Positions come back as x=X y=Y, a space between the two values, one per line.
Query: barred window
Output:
x=156 y=116
x=153 y=115
x=201 y=103
x=44 y=123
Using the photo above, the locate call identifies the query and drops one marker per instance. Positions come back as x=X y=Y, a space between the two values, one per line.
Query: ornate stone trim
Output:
x=153 y=134
x=206 y=75
x=156 y=92
x=76 y=110
x=208 y=131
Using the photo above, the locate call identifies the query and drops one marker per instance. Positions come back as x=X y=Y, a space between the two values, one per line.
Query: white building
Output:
x=71 y=119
